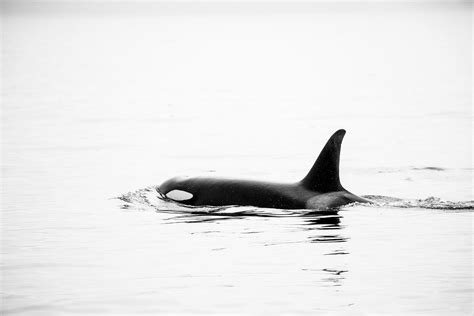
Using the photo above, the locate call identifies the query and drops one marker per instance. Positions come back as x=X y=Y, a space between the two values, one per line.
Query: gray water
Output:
x=101 y=102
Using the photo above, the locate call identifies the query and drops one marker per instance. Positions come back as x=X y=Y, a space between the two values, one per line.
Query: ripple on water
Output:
x=149 y=199
x=428 y=203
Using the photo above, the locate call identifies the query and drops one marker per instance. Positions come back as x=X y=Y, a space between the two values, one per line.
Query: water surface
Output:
x=103 y=102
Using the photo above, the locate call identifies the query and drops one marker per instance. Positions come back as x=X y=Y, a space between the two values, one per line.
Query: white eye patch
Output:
x=179 y=195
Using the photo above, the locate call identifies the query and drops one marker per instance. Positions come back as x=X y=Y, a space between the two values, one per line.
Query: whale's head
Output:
x=175 y=189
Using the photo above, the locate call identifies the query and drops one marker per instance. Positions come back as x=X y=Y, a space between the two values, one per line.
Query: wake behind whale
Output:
x=146 y=199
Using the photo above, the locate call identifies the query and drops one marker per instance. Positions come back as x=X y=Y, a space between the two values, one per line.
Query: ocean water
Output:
x=103 y=101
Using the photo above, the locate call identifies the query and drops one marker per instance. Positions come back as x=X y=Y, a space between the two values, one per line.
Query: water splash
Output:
x=428 y=203
x=149 y=199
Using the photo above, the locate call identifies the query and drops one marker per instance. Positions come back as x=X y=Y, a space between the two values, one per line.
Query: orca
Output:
x=319 y=189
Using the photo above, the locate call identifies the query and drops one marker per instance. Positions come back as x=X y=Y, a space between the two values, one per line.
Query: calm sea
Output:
x=102 y=101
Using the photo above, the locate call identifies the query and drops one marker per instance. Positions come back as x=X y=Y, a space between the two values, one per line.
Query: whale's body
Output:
x=321 y=188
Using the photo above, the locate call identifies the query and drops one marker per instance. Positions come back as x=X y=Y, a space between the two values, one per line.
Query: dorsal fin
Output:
x=324 y=175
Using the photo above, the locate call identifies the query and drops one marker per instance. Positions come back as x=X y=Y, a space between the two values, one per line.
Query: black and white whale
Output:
x=319 y=189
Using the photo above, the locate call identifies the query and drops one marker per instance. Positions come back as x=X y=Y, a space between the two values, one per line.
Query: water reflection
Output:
x=328 y=239
x=317 y=222
x=196 y=218
x=324 y=221
x=335 y=276
x=320 y=226
x=330 y=277
x=338 y=252
x=321 y=232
